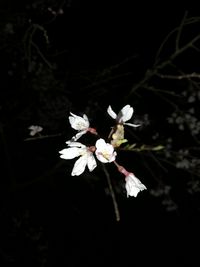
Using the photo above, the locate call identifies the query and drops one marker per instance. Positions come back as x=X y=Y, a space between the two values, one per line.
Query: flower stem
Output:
x=42 y=137
x=115 y=205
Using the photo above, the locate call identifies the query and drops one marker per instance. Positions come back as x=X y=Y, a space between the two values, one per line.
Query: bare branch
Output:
x=179 y=77
x=189 y=21
x=180 y=30
x=151 y=72
x=42 y=137
x=116 y=209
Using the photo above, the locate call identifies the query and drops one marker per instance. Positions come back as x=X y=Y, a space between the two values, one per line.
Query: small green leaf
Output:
x=160 y=147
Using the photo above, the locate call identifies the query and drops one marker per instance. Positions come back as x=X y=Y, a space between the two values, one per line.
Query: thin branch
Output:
x=105 y=81
x=179 y=77
x=174 y=165
x=115 y=205
x=184 y=48
x=151 y=72
x=28 y=38
x=165 y=99
x=189 y=21
x=42 y=137
x=157 y=59
x=196 y=48
x=41 y=55
x=180 y=30
x=157 y=161
x=163 y=91
x=149 y=168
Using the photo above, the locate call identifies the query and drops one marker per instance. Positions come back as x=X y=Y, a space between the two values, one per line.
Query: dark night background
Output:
x=57 y=58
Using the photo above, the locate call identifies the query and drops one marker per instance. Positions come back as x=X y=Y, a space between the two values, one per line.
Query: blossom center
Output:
x=81 y=124
x=105 y=154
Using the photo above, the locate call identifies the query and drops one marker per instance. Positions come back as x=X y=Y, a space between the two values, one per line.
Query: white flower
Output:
x=124 y=115
x=133 y=185
x=104 y=151
x=80 y=124
x=77 y=149
x=34 y=129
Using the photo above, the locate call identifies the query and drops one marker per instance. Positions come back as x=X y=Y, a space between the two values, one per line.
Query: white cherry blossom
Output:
x=35 y=129
x=124 y=115
x=77 y=149
x=81 y=124
x=133 y=185
x=104 y=151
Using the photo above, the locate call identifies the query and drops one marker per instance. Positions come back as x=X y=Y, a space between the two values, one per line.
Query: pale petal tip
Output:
x=111 y=112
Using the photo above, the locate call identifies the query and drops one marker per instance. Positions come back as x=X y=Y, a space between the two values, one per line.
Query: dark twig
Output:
x=179 y=77
x=115 y=205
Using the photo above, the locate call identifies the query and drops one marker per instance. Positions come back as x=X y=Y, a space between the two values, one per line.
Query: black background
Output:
x=48 y=217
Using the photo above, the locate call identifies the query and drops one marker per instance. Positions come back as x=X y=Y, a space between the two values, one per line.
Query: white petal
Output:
x=74 y=115
x=85 y=117
x=106 y=157
x=101 y=157
x=131 y=124
x=125 y=114
x=76 y=144
x=78 y=123
x=111 y=113
x=133 y=185
x=78 y=135
x=79 y=165
x=91 y=162
x=70 y=153
x=100 y=144
x=32 y=133
x=132 y=191
x=72 y=119
x=104 y=151
x=35 y=129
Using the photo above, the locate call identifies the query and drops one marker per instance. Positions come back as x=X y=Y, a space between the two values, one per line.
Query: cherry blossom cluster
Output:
x=103 y=150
